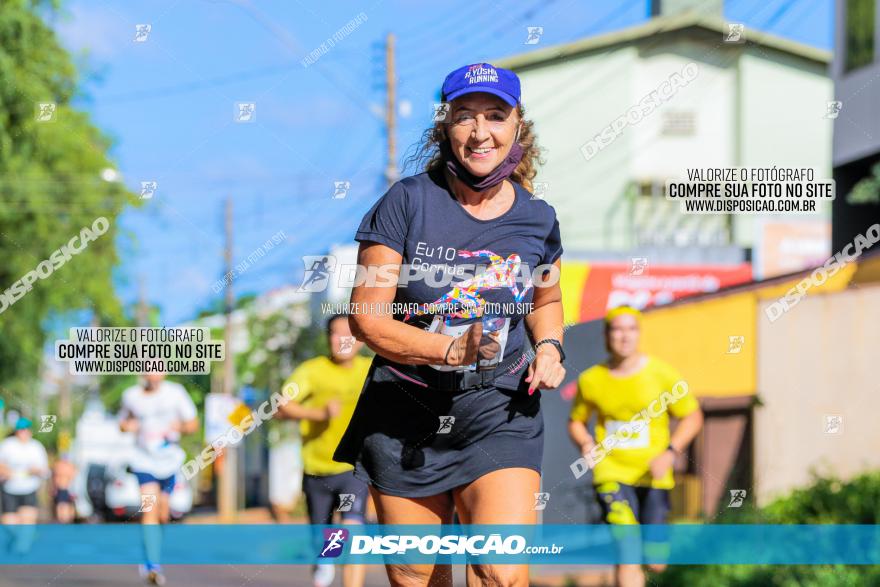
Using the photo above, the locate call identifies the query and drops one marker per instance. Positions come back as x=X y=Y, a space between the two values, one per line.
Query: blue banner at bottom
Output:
x=376 y=544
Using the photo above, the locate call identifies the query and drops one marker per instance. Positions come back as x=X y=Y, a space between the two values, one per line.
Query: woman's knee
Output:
x=502 y=575
x=626 y=573
x=419 y=575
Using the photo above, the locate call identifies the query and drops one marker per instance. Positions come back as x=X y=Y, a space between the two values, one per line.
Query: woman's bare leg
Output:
x=433 y=510
x=505 y=496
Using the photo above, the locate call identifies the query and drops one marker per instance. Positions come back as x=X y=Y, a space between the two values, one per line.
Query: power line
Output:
x=466 y=35
x=200 y=85
x=780 y=12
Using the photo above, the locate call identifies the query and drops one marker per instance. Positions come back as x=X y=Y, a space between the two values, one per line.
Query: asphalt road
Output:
x=239 y=576
x=209 y=576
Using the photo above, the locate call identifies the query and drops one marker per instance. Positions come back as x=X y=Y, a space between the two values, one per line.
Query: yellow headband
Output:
x=620 y=311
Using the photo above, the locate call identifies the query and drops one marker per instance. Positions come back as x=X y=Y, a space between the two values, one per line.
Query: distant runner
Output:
x=63 y=472
x=23 y=468
x=158 y=412
x=633 y=478
x=329 y=388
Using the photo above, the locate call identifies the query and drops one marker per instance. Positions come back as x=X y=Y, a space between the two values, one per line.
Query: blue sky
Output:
x=169 y=103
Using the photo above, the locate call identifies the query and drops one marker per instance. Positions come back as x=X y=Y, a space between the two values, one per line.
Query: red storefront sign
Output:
x=609 y=285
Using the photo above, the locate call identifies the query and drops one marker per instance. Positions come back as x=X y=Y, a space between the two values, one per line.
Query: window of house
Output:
x=681 y=123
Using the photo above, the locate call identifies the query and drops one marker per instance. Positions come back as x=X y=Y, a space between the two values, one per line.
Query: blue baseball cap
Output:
x=23 y=424
x=482 y=77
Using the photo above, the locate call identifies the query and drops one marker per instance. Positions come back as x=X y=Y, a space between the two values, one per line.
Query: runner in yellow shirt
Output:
x=328 y=390
x=632 y=454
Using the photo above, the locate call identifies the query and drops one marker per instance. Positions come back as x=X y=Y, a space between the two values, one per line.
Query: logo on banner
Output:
x=334 y=541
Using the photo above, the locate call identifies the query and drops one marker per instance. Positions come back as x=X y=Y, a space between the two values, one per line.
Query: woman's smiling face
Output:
x=481 y=132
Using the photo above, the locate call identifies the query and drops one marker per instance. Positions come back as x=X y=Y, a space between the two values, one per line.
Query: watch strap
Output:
x=555 y=343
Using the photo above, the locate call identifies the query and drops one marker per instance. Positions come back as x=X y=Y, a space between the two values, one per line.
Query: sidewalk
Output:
x=541 y=575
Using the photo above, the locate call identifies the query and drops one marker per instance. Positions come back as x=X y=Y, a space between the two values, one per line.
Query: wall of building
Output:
x=570 y=103
x=574 y=100
x=776 y=130
x=709 y=97
x=817 y=361
x=857 y=130
x=696 y=339
x=695 y=336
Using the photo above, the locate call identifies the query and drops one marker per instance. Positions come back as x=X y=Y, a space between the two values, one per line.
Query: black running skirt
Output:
x=412 y=441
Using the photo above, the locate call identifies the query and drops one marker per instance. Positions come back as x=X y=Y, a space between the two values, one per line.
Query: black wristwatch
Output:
x=555 y=343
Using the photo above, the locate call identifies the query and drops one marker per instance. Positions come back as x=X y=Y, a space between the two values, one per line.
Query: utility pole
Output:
x=65 y=413
x=391 y=173
x=143 y=309
x=227 y=486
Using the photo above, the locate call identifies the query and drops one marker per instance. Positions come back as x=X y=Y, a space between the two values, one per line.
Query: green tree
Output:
x=52 y=185
x=867 y=190
x=825 y=501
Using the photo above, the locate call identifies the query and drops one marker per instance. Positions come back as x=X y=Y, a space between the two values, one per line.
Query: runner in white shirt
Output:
x=157 y=412
x=23 y=467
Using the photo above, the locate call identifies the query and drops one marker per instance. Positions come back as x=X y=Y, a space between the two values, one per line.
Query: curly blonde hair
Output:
x=429 y=158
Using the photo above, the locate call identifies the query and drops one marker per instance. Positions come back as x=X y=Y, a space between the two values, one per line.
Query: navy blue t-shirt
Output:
x=459 y=262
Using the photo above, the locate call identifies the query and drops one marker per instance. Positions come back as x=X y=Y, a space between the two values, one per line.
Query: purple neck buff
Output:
x=475 y=182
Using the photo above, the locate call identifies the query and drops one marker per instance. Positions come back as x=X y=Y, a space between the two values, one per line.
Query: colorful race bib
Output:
x=495 y=330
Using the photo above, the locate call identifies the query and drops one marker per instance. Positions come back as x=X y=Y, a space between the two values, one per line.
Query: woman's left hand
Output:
x=546 y=371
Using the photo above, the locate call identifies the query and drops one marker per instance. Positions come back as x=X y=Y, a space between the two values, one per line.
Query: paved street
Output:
x=237 y=576
x=214 y=576
x=250 y=575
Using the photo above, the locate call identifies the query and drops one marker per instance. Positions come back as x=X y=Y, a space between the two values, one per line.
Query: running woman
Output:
x=158 y=412
x=327 y=392
x=63 y=472
x=434 y=431
x=23 y=468
x=633 y=478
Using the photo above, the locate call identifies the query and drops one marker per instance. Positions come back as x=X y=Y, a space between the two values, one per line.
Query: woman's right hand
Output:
x=472 y=345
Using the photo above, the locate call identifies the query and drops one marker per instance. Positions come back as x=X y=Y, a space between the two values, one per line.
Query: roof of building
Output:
x=655 y=26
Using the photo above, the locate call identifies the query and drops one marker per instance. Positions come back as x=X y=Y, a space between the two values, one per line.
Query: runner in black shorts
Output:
x=158 y=413
x=23 y=467
x=326 y=494
x=12 y=502
x=633 y=396
x=63 y=472
x=458 y=252
x=327 y=389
